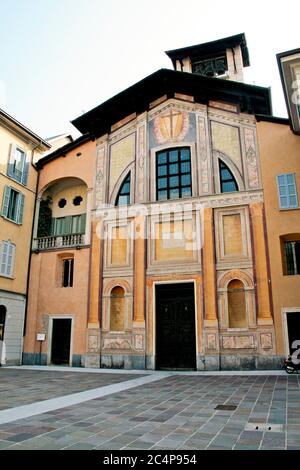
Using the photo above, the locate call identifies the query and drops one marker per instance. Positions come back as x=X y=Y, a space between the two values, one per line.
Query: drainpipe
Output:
x=31 y=239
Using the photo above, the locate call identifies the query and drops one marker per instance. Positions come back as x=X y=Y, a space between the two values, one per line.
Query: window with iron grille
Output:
x=173 y=174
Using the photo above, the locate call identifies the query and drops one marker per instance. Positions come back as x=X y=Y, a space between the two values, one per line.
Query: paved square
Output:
x=176 y=411
x=21 y=387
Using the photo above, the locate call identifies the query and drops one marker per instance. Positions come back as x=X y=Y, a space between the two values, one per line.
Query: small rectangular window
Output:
x=68 y=270
x=18 y=166
x=287 y=191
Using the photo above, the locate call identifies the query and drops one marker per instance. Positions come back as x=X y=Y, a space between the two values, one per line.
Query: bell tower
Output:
x=224 y=58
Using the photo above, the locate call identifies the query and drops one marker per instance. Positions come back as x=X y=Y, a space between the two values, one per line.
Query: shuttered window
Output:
x=287 y=191
x=13 y=205
x=18 y=165
x=7 y=257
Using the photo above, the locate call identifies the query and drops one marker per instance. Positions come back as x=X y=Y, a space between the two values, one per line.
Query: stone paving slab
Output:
x=175 y=412
x=22 y=387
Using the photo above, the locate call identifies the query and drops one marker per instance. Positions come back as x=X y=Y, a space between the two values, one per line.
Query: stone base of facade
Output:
x=140 y=362
x=37 y=359
x=34 y=359
x=122 y=361
x=251 y=362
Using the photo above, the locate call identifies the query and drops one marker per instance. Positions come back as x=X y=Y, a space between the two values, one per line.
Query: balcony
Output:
x=62 y=241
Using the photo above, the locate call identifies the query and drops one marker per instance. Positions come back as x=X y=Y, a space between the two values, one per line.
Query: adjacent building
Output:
x=279 y=145
x=60 y=261
x=18 y=179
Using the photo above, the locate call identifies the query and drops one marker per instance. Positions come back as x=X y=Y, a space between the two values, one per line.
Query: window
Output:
x=227 y=180
x=123 y=197
x=287 y=192
x=17 y=166
x=69 y=225
x=68 y=269
x=77 y=200
x=292 y=257
x=117 y=309
x=7 y=258
x=13 y=205
x=236 y=304
x=2 y=323
x=173 y=174
x=62 y=203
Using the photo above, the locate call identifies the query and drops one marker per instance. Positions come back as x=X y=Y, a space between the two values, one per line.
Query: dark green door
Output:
x=61 y=341
x=175 y=326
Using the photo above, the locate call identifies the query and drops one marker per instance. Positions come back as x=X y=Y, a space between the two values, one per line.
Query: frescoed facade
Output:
x=165 y=262
x=19 y=146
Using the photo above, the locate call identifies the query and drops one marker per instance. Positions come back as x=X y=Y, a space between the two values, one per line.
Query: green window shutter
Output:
x=68 y=226
x=5 y=201
x=10 y=167
x=25 y=171
x=52 y=227
x=20 y=208
x=82 y=223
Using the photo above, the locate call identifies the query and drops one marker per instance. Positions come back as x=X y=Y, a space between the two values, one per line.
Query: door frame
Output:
x=284 y=312
x=50 y=331
x=184 y=281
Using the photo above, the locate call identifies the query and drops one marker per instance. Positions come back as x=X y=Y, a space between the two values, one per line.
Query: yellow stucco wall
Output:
x=20 y=235
x=279 y=153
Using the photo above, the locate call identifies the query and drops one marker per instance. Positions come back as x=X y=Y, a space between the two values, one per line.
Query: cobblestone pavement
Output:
x=21 y=387
x=175 y=412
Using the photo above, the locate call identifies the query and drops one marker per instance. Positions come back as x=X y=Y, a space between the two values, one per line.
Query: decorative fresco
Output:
x=172 y=126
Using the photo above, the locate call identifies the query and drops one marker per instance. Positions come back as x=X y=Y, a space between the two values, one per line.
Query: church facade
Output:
x=151 y=250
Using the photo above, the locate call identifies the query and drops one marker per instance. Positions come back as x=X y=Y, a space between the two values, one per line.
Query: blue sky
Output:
x=59 y=58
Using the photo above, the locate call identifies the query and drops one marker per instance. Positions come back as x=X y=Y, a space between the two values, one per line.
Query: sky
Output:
x=60 y=58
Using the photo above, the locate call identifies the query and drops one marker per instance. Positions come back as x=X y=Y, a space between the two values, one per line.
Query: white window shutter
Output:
x=10 y=258
x=2 y=258
x=10 y=168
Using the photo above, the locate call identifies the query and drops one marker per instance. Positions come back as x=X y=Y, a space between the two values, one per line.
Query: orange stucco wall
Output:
x=82 y=167
x=279 y=153
x=47 y=298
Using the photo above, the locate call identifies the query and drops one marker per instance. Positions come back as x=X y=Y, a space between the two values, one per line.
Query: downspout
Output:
x=31 y=239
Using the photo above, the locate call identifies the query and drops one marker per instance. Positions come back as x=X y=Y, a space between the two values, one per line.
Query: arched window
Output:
x=237 y=317
x=2 y=322
x=173 y=174
x=227 y=181
x=123 y=197
x=117 y=309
